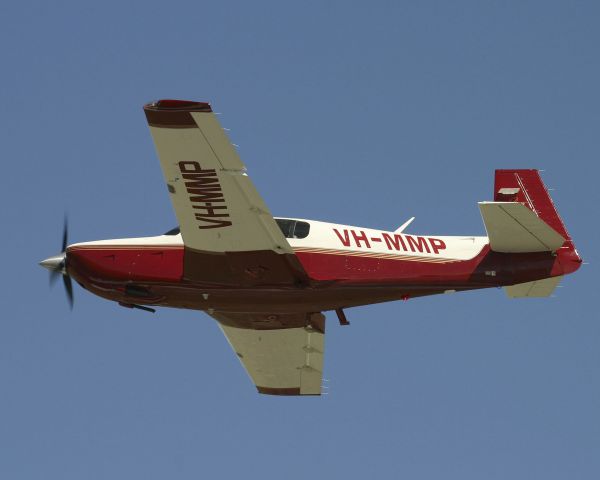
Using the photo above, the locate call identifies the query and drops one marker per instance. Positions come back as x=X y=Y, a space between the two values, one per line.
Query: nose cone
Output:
x=55 y=263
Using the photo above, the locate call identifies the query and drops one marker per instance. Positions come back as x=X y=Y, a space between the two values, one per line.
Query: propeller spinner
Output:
x=57 y=264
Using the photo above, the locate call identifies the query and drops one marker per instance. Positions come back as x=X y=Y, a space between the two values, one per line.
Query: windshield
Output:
x=293 y=228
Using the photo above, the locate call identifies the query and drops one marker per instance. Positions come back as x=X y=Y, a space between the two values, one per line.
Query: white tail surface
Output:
x=514 y=228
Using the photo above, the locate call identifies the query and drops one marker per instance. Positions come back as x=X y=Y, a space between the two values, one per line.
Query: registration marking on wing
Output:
x=205 y=195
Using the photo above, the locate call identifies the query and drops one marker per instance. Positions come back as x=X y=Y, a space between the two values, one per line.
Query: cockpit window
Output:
x=173 y=231
x=293 y=228
x=289 y=228
x=286 y=226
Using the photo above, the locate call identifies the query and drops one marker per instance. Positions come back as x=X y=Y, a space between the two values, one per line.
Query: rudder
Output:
x=527 y=187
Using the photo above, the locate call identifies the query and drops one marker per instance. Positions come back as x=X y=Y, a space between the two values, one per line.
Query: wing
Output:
x=229 y=233
x=280 y=361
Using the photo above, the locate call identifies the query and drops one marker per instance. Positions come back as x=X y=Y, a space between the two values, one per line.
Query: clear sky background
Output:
x=364 y=113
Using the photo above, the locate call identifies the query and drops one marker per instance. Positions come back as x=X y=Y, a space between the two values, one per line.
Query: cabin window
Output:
x=293 y=228
x=301 y=230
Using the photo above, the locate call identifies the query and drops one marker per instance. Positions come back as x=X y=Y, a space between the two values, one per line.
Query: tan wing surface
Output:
x=280 y=361
x=221 y=215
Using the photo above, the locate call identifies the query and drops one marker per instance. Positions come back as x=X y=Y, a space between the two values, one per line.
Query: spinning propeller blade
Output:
x=57 y=265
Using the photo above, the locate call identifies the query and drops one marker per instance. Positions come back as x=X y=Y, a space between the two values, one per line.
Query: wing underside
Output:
x=280 y=361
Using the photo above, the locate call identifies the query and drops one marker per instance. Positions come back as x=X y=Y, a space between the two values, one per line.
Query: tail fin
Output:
x=517 y=193
x=527 y=187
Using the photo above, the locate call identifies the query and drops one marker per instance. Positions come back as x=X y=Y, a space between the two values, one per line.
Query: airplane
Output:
x=267 y=281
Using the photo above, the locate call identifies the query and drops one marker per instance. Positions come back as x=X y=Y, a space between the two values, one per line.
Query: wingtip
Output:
x=174 y=113
x=282 y=391
x=172 y=105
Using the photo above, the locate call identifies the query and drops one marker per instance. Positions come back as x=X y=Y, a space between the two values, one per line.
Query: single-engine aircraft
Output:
x=267 y=281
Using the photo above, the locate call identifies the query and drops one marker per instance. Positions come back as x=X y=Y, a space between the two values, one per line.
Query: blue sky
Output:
x=352 y=112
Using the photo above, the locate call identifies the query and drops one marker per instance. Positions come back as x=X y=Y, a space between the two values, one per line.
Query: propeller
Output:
x=57 y=265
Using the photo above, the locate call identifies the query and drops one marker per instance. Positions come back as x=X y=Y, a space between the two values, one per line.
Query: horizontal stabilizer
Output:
x=538 y=288
x=514 y=228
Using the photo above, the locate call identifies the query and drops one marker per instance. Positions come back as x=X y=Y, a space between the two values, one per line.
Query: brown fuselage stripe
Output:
x=125 y=247
x=386 y=256
x=322 y=251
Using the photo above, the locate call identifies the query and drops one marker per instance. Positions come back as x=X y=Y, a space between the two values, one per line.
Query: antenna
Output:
x=402 y=227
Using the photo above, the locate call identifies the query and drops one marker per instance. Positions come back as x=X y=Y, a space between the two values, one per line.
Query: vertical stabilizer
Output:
x=527 y=187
